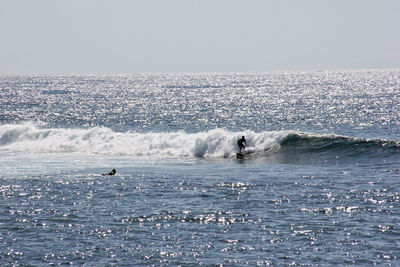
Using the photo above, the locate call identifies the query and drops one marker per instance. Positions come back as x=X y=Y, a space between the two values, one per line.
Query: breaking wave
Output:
x=29 y=137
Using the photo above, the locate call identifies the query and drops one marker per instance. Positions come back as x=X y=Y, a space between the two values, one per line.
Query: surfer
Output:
x=241 y=144
x=110 y=173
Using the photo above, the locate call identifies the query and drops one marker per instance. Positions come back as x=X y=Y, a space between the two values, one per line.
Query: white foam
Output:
x=29 y=137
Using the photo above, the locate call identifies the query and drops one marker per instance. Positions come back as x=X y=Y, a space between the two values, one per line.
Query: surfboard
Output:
x=245 y=153
x=239 y=155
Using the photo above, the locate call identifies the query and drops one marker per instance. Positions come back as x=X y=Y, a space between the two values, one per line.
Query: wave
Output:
x=304 y=147
x=217 y=143
x=100 y=140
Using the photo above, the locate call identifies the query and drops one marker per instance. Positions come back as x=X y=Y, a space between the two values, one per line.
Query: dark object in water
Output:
x=110 y=173
x=239 y=155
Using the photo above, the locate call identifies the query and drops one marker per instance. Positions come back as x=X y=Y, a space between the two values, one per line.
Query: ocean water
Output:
x=320 y=185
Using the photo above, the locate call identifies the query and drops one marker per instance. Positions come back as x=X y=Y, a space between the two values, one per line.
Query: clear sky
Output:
x=152 y=36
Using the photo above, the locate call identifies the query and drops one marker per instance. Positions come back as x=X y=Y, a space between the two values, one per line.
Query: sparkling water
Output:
x=319 y=184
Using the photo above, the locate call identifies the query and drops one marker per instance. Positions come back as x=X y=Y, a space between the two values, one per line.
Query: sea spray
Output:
x=101 y=140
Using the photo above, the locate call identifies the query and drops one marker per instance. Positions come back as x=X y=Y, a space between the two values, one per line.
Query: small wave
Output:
x=320 y=143
x=311 y=148
x=216 y=143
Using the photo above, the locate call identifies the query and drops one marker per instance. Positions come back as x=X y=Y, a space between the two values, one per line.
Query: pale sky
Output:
x=165 y=36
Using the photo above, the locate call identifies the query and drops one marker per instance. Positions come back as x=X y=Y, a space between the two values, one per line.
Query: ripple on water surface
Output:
x=219 y=219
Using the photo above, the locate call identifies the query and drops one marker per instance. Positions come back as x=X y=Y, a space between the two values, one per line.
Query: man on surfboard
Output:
x=241 y=144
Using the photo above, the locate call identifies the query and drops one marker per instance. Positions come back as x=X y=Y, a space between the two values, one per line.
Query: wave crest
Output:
x=99 y=140
x=215 y=143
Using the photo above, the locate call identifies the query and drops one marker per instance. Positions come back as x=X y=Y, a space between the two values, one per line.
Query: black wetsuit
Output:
x=240 y=144
x=110 y=173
